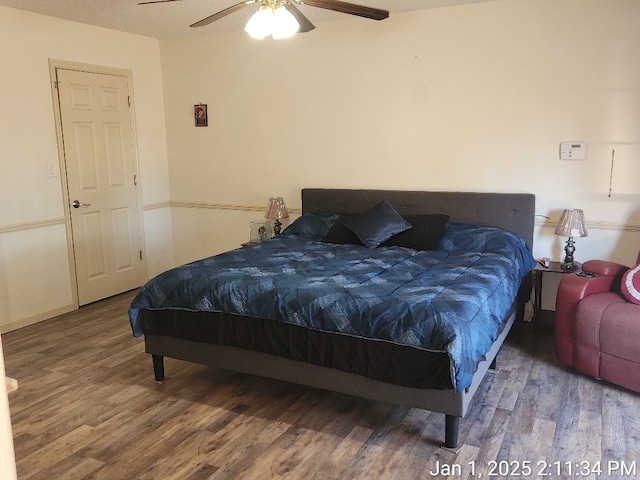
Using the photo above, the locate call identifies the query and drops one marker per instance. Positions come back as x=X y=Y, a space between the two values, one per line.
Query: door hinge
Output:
x=140 y=254
x=55 y=84
x=129 y=100
x=135 y=180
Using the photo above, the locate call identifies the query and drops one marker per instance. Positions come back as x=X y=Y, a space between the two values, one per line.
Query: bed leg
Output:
x=451 y=426
x=158 y=367
x=494 y=364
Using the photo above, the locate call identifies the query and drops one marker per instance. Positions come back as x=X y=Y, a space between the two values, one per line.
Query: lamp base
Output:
x=277 y=227
x=569 y=249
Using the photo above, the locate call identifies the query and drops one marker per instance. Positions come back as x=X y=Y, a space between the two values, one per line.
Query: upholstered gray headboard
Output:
x=512 y=211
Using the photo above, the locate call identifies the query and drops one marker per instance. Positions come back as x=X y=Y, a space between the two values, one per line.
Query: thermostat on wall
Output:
x=573 y=151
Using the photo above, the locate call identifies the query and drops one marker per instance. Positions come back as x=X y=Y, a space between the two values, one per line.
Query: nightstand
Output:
x=246 y=244
x=540 y=315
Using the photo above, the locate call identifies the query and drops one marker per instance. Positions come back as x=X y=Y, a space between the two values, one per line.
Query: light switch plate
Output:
x=52 y=171
x=573 y=150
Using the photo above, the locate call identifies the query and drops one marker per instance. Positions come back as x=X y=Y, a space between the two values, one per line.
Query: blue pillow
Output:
x=310 y=225
x=377 y=224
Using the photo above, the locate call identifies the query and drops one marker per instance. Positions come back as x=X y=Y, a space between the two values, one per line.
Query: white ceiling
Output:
x=172 y=19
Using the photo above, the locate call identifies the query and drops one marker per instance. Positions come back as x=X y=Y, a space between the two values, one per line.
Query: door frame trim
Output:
x=54 y=65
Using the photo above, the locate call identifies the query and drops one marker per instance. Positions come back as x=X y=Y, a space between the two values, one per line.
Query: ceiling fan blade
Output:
x=305 y=24
x=345 y=7
x=223 y=13
x=157 y=1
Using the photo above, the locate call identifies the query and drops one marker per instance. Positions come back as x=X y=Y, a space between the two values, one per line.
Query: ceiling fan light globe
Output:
x=260 y=24
x=284 y=24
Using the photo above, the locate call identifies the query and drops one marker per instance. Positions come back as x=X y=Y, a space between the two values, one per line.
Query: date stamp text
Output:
x=539 y=468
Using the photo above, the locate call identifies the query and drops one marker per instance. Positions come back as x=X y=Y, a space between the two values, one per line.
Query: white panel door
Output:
x=100 y=167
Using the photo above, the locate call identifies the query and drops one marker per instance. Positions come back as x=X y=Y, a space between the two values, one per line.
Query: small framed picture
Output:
x=259 y=231
x=200 y=115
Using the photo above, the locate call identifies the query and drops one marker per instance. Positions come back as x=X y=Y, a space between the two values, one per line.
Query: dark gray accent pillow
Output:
x=377 y=224
x=339 y=233
x=425 y=232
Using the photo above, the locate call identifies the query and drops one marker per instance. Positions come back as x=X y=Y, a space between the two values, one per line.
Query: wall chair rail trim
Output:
x=17 y=227
x=228 y=206
x=156 y=205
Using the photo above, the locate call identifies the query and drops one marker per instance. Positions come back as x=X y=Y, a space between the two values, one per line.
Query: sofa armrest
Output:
x=571 y=290
x=604 y=267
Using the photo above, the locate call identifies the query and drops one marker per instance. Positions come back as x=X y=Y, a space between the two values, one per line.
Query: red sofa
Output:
x=597 y=330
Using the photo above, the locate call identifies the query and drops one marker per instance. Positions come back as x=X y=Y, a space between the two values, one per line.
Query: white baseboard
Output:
x=32 y=319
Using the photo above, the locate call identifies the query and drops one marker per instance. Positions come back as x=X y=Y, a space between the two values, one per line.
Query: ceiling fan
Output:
x=281 y=18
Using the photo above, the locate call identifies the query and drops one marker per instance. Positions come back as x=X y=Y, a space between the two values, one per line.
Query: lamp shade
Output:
x=571 y=224
x=284 y=24
x=276 y=209
x=272 y=18
x=259 y=25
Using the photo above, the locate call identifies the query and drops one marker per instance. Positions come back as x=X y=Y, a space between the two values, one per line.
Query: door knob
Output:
x=77 y=204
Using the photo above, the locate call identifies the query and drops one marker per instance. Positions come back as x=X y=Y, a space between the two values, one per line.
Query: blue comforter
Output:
x=453 y=300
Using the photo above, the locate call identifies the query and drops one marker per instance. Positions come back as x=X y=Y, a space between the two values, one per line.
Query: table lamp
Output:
x=275 y=211
x=571 y=225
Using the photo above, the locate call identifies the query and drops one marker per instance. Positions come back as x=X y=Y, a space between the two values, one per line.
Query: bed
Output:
x=409 y=313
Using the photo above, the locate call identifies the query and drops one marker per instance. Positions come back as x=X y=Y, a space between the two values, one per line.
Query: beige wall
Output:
x=34 y=265
x=474 y=97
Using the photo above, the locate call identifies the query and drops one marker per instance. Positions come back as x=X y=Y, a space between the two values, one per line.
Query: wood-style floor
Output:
x=87 y=407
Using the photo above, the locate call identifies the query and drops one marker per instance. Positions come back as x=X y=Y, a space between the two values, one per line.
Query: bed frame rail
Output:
x=453 y=404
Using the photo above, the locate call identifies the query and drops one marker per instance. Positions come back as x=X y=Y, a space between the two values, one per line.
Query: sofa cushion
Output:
x=630 y=284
